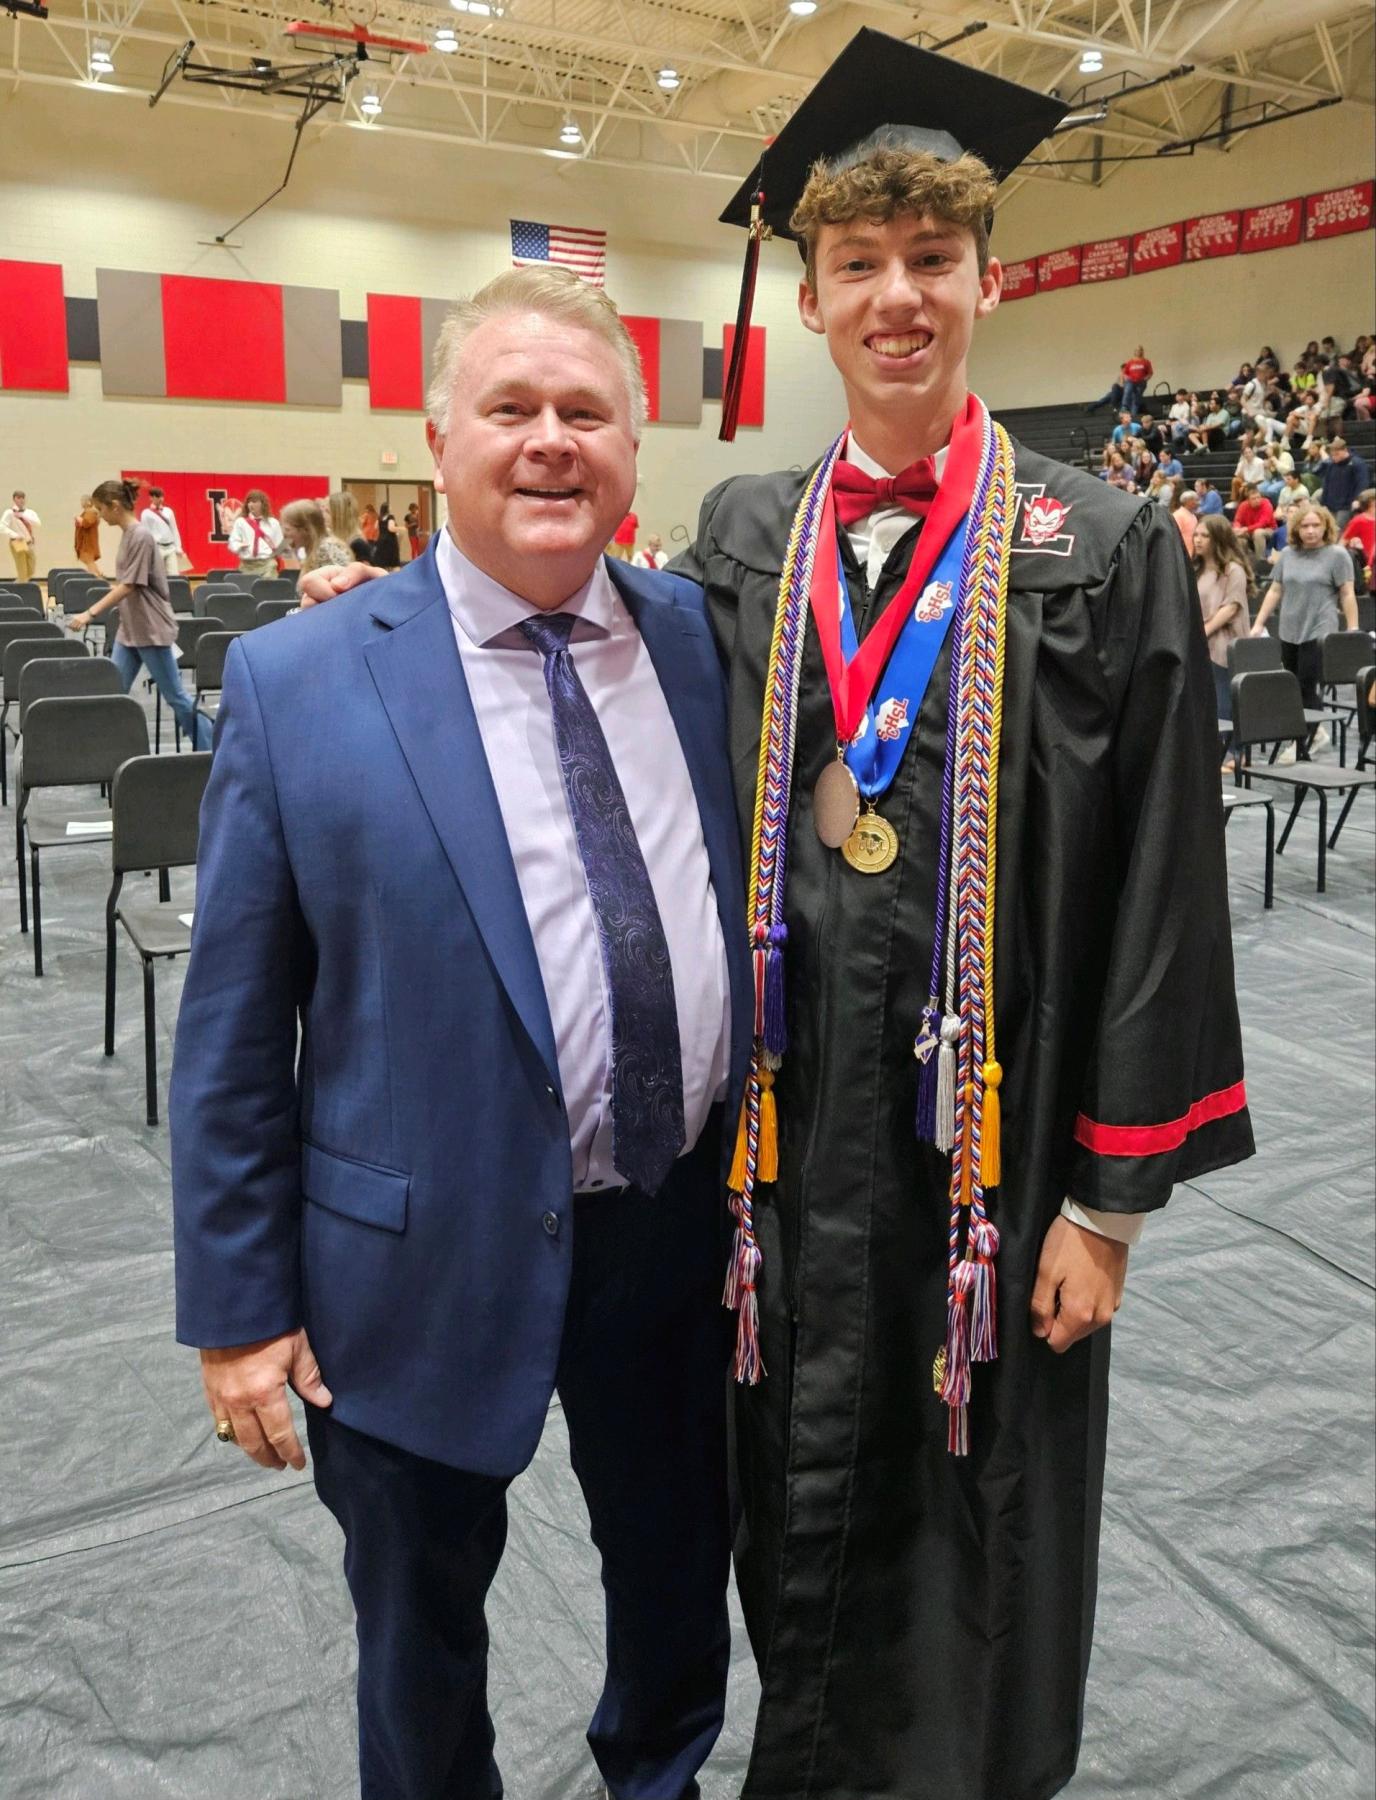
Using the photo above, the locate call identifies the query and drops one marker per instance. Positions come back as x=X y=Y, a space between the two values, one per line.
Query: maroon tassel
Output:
x=984 y=1328
x=734 y=380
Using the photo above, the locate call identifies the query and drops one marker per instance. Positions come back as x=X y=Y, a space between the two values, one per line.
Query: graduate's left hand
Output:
x=1079 y=1284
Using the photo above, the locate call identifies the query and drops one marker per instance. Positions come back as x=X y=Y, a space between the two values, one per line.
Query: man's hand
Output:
x=248 y=1385
x=324 y=584
x=1079 y=1284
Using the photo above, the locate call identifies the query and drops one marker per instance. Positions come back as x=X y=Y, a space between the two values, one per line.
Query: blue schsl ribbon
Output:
x=875 y=752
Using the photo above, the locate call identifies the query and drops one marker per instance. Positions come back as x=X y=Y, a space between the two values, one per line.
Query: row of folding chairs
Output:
x=99 y=740
x=1267 y=709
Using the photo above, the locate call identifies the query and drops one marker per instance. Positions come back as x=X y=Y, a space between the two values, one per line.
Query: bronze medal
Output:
x=873 y=846
x=835 y=804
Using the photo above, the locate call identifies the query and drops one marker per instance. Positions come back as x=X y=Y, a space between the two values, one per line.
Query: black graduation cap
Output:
x=880 y=93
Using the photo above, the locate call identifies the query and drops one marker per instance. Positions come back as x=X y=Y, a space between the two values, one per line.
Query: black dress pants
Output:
x=643 y=1381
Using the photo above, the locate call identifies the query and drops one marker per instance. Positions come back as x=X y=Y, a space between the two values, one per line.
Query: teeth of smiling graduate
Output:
x=533 y=493
x=901 y=346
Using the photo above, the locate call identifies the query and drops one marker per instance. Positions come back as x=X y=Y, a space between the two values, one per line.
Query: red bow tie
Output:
x=858 y=494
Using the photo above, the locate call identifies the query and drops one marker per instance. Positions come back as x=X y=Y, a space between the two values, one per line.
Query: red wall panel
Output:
x=33 y=327
x=396 y=363
x=222 y=340
x=752 y=385
x=645 y=335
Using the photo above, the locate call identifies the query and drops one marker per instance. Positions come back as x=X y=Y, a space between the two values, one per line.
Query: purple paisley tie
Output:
x=647 y=1075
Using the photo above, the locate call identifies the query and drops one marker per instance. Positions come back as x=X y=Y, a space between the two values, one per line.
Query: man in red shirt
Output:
x=1360 y=534
x=622 y=545
x=1127 y=392
x=1255 y=521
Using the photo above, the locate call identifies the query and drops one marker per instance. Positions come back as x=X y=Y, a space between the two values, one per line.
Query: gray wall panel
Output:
x=132 y=360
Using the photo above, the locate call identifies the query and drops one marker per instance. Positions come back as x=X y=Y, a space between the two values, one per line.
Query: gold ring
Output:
x=224 y=1430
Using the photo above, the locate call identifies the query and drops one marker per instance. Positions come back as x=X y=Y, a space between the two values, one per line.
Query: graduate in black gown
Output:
x=922 y=1620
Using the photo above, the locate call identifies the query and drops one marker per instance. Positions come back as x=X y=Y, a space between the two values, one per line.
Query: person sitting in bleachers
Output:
x=1212 y=430
x=1255 y=521
x=1210 y=500
x=1292 y=491
x=1251 y=468
x=1117 y=473
x=1359 y=538
x=1183 y=418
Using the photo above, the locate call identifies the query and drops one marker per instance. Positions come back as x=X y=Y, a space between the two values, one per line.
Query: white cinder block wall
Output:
x=91 y=179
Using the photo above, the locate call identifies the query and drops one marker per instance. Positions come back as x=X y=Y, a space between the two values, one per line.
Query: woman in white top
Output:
x=255 y=536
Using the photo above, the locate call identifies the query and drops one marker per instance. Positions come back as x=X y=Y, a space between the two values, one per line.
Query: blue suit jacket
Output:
x=390 y=1192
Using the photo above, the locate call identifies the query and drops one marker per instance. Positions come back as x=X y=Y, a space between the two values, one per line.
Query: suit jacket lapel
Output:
x=419 y=678
x=685 y=660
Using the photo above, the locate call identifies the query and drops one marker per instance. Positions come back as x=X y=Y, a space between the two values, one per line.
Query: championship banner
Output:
x=1019 y=279
x=1058 y=269
x=1271 y=227
x=1108 y=260
x=33 y=327
x=1216 y=234
x=207 y=505
x=1338 y=211
x=1160 y=248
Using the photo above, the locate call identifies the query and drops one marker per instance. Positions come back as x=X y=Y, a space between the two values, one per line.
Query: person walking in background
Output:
x=1314 y=576
x=653 y=556
x=412 y=523
x=19 y=523
x=255 y=537
x=387 y=549
x=147 y=624
x=1130 y=386
x=346 y=525
x=161 y=521
x=1342 y=478
x=622 y=545
x=1224 y=578
x=86 y=537
x=306 y=532
x=368 y=524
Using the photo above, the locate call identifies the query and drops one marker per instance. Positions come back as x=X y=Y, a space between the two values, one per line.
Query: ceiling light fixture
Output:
x=1091 y=62
x=570 y=134
x=668 y=79
x=446 y=40
x=801 y=8
x=480 y=9
x=371 y=103
x=102 y=62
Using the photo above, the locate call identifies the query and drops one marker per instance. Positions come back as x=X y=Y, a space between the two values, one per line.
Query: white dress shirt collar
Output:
x=486 y=612
x=873 y=538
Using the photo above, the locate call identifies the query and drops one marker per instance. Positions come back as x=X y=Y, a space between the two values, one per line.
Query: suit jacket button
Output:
x=551 y=1223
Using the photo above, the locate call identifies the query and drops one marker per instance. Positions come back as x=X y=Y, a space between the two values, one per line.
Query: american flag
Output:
x=585 y=252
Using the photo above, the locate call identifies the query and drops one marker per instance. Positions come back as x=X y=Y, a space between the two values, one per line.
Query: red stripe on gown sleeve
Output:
x=1151 y=1140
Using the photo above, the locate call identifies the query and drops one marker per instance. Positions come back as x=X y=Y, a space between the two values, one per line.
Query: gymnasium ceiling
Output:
x=523 y=71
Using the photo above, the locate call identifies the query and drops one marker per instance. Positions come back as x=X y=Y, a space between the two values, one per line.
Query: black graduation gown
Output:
x=922 y=1623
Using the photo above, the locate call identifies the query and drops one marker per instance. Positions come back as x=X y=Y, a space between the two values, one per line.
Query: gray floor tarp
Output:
x=174 y=1622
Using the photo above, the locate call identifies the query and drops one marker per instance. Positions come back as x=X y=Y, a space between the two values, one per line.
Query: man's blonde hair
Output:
x=554 y=293
x=888 y=183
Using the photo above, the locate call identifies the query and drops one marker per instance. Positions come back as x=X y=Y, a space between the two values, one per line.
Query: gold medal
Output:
x=939 y=1371
x=873 y=846
x=835 y=804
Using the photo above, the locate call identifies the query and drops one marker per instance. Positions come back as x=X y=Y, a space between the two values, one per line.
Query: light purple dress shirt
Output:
x=505 y=675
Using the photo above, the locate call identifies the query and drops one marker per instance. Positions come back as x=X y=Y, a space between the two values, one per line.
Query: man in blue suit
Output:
x=454 y=1052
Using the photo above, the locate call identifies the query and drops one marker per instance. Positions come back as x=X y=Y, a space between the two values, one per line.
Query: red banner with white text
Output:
x=1338 y=211
x=1215 y=234
x=1059 y=269
x=1108 y=260
x=1160 y=248
x=1271 y=227
x=1019 y=279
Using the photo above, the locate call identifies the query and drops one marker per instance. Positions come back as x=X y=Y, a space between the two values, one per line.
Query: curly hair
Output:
x=890 y=182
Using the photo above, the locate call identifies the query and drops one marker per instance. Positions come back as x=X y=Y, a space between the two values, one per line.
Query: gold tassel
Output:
x=768 y=1169
x=991 y=1131
x=736 y=1179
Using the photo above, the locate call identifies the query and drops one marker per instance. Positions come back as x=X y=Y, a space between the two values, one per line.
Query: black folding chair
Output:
x=189 y=635
x=1267 y=709
x=28 y=591
x=14 y=631
x=210 y=662
x=1236 y=799
x=1365 y=680
x=269 y=611
x=1342 y=655
x=1366 y=613
x=205 y=602
x=52 y=677
x=68 y=743
x=16 y=606
x=16 y=653
x=275 y=587
x=179 y=593
x=155 y=804
x=239 y=612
